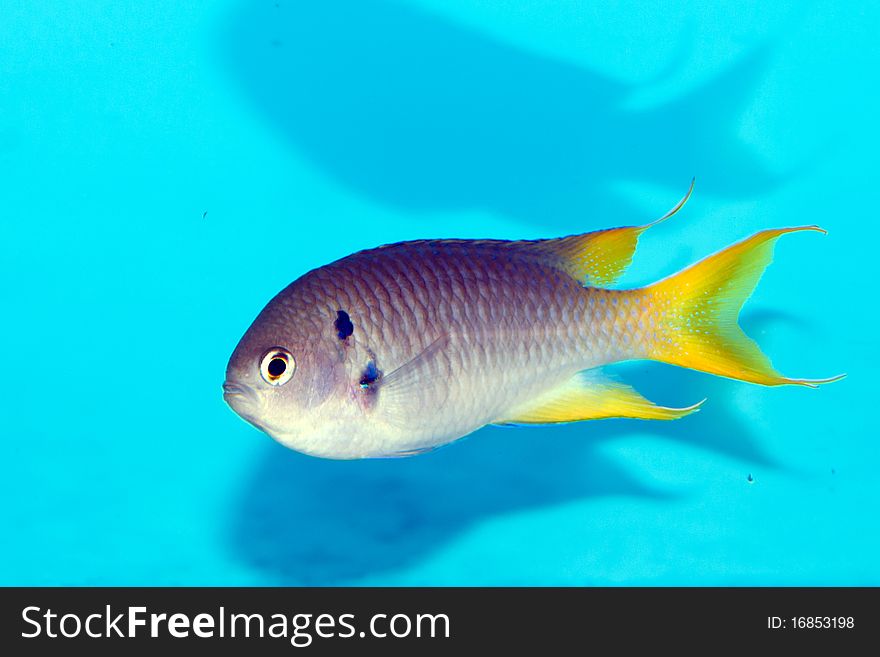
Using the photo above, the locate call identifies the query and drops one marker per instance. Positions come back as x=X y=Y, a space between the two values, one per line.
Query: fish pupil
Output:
x=277 y=366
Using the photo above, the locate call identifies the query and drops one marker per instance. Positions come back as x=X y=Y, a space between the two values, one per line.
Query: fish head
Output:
x=285 y=376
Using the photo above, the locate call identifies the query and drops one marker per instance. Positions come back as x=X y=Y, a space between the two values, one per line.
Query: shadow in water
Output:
x=414 y=111
x=315 y=522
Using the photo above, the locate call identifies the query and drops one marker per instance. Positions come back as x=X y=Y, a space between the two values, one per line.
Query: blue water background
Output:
x=167 y=167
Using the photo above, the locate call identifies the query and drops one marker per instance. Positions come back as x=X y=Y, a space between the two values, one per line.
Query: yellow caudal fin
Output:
x=695 y=313
x=590 y=396
x=599 y=258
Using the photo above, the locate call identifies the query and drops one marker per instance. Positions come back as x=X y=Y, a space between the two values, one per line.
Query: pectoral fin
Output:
x=406 y=392
x=590 y=395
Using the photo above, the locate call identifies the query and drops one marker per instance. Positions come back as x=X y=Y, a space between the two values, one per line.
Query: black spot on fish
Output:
x=343 y=325
x=750 y=478
x=370 y=376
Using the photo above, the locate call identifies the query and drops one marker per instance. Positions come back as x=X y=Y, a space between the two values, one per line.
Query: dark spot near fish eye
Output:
x=370 y=376
x=750 y=478
x=343 y=325
x=277 y=366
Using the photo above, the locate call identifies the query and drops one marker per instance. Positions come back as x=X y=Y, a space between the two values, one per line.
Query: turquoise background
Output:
x=167 y=167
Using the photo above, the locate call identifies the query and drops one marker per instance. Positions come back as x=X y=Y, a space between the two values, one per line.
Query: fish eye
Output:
x=277 y=366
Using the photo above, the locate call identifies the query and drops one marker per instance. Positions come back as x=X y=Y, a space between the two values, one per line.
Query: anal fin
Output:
x=591 y=396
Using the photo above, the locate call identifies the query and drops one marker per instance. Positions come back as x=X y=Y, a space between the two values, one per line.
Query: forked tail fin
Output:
x=695 y=313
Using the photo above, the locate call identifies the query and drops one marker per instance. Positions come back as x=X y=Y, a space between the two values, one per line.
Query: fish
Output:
x=400 y=349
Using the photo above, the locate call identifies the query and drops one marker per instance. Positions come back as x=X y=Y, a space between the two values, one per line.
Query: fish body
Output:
x=397 y=350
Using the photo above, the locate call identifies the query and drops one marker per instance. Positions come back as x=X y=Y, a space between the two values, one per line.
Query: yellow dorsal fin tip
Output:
x=678 y=206
x=795 y=229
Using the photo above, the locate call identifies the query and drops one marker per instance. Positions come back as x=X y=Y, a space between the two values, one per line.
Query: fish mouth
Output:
x=233 y=389
x=241 y=398
x=247 y=403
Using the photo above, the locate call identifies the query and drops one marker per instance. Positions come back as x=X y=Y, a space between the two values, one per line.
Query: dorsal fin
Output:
x=590 y=395
x=599 y=258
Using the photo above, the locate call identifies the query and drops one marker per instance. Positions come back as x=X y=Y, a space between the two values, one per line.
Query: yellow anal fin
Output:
x=591 y=396
x=599 y=258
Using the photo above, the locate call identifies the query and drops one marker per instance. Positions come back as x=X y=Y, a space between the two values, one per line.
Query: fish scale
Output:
x=506 y=328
